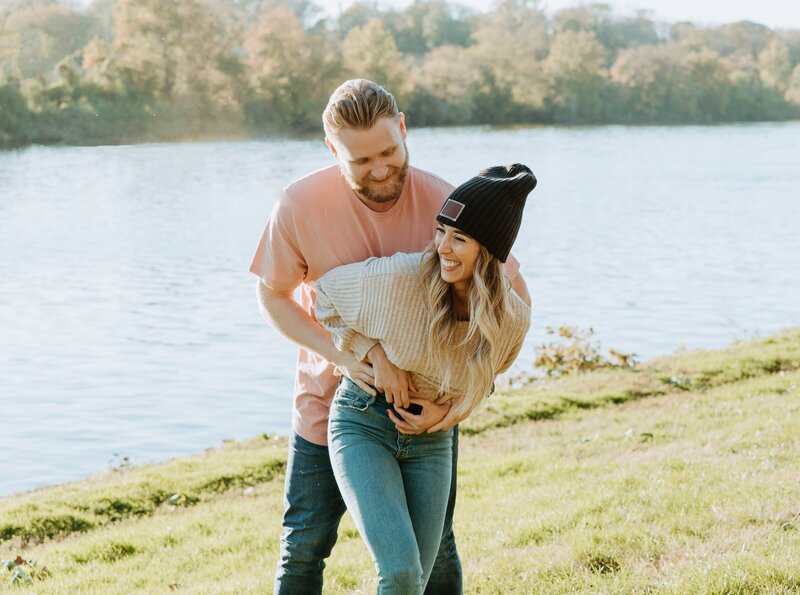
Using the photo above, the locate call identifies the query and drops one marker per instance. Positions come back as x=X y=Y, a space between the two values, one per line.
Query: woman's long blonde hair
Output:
x=486 y=303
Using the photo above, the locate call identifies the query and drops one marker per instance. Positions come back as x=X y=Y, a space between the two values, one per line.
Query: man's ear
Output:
x=331 y=146
x=403 y=130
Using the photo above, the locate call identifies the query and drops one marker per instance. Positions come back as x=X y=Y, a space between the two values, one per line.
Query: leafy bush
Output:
x=23 y=572
x=577 y=353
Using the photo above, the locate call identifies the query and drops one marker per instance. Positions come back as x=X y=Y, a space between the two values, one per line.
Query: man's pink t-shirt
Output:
x=319 y=223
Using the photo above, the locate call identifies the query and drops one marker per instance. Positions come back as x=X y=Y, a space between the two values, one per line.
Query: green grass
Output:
x=679 y=477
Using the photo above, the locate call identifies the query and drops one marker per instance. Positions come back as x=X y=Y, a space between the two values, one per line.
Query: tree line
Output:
x=135 y=70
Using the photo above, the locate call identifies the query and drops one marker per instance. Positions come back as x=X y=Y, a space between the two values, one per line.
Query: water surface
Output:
x=128 y=321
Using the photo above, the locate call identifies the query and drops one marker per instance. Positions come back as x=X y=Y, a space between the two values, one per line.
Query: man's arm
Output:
x=521 y=289
x=287 y=317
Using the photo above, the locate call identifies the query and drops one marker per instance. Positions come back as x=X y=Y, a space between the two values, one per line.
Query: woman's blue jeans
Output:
x=396 y=486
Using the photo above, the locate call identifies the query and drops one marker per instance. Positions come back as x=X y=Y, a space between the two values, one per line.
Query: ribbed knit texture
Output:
x=493 y=203
x=382 y=299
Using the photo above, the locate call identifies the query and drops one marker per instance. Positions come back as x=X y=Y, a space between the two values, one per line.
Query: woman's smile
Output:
x=449 y=265
x=458 y=253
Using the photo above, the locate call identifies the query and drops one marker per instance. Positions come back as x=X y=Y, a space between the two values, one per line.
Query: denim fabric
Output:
x=446 y=576
x=312 y=511
x=396 y=487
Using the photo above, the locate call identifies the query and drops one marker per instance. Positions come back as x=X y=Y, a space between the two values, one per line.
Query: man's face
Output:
x=374 y=161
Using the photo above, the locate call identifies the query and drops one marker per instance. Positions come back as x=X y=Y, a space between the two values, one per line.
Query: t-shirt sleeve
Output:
x=338 y=304
x=278 y=260
x=511 y=268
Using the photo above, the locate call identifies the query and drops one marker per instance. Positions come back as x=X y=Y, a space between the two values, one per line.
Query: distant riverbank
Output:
x=677 y=476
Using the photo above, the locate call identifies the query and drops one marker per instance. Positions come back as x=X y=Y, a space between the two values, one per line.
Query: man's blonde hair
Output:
x=358 y=103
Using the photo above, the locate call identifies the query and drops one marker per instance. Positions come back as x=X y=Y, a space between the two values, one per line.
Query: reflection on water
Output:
x=128 y=322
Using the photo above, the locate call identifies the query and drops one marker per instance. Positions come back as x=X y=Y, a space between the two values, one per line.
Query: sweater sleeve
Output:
x=339 y=298
x=519 y=322
x=512 y=356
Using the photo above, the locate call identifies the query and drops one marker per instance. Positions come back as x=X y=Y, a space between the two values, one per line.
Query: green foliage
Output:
x=290 y=72
x=16 y=120
x=370 y=52
x=774 y=65
x=23 y=572
x=793 y=90
x=40 y=36
x=578 y=354
x=110 y=553
x=575 y=68
x=143 y=70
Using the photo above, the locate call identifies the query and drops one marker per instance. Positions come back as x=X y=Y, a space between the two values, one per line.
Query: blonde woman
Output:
x=447 y=316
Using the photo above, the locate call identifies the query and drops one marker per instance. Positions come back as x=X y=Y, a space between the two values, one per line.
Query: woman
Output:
x=449 y=317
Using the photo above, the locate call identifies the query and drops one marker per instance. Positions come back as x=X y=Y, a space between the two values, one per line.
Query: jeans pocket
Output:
x=349 y=396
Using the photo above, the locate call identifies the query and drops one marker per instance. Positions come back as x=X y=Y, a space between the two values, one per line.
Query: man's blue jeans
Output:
x=396 y=487
x=313 y=508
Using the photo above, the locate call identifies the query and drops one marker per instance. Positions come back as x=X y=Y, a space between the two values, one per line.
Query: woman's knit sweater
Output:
x=383 y=299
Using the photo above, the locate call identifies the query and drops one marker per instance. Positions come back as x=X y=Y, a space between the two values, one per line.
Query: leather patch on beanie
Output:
x=452 y=209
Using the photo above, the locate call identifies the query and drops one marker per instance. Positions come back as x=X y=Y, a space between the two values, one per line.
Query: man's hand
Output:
x=450 y=419
x=359 y=372
x=390 y=379
x=417 y=424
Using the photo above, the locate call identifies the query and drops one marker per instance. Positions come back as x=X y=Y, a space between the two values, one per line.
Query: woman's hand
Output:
x=390 y=379
x=417 y=424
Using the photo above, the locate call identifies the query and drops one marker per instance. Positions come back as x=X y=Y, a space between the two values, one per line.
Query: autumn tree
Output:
x=577 y=75
x=445 y=84
x=648 y=78
x=425 y=25
x=774 y=65
x=291 y=71
x=36 y=38
x=508 y=46
x=172 y=51
x=357 y=15
x=370 y=52
x=613 y=32
x=706 y=84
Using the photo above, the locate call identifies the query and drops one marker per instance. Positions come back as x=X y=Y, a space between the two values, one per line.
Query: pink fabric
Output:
x=319 y=223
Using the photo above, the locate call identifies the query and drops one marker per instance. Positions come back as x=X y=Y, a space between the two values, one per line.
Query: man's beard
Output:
x=388 y=194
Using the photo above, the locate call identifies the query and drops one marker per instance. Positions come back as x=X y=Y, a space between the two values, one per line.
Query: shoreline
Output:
x=311 y=134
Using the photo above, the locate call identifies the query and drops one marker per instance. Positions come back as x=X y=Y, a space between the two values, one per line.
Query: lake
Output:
x=128 y=320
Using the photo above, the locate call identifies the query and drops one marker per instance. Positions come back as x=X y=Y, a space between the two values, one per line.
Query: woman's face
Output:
x=458 y=253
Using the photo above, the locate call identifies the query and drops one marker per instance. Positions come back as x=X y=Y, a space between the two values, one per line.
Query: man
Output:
x=370 y=204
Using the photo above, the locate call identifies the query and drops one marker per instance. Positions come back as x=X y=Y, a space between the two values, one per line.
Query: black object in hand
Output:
x=413 y=408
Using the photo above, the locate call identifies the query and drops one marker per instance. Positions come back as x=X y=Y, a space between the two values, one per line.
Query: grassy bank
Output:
x=678 y=477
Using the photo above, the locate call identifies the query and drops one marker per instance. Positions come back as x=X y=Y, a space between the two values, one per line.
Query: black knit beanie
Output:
x=489 y=206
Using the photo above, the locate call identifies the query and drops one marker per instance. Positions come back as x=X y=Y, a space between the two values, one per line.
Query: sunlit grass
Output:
x=629 y=482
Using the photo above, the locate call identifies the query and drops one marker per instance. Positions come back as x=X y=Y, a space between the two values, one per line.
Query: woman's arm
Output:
x=341 y=294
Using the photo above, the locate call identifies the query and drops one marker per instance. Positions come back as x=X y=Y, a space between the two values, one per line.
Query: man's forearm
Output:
x=288 y=318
